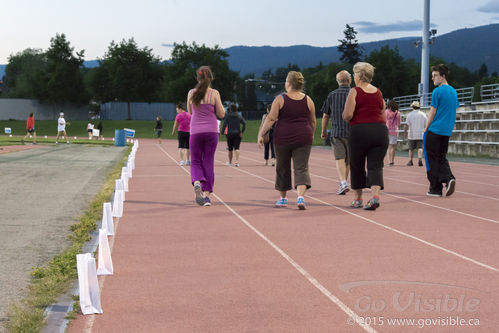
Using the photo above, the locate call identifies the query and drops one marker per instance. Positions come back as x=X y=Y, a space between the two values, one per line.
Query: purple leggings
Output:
x=203 y=147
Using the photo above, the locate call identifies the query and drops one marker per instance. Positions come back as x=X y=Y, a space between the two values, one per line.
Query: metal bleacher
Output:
x=476 y=132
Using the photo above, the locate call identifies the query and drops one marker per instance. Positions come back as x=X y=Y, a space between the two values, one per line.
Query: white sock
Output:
x=300 y=197
x=344 y=182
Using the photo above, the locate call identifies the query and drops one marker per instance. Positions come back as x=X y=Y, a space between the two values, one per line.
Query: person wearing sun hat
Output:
x=414 y=126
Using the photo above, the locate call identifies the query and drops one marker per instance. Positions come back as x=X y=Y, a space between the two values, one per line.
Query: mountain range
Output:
x=469 y=48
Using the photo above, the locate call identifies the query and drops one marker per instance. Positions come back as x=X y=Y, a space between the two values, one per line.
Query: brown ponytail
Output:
x=204 y=77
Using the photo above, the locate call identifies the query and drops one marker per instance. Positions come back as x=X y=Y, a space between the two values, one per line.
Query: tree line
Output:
x=129 y=73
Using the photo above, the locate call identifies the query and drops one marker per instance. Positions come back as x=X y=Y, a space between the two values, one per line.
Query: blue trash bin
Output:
x=119 y=138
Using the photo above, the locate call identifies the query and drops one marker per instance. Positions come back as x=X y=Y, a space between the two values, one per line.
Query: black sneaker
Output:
x=433 y=194
x=420 y=162
x=450 y=187
x=409 y=163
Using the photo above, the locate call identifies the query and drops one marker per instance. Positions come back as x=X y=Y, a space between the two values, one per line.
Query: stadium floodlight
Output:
x=425 y=52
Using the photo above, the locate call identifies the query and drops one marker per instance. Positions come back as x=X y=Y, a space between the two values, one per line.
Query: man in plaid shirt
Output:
x=333 y=108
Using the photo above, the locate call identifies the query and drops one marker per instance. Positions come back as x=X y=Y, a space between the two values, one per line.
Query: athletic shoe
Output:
x=450 y=187
x=344 y=188
x=227 y=163
x=391 y=164
x=300 y=203
x=207 y=201
x=420 y=162
x=67 y=142
x=56 y=143
x=199 y=195
x=273 y=162
x=409 y=163
x=22 y=141
x=181 y=163
x=433 y=194
x=357 y=203
x=236 y=164
x=372 y=204
x=283 y=202
x=187 y=162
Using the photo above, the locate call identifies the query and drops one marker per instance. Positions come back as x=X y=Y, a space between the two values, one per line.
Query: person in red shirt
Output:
x=30 y=127
x=365 y=111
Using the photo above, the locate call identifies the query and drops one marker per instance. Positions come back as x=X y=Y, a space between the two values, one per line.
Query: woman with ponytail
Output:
x=205 y=105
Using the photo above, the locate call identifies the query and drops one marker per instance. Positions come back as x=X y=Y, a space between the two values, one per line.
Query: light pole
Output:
x=425 y=54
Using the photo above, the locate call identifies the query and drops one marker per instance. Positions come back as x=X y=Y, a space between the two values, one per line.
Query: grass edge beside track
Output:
x=50 y=281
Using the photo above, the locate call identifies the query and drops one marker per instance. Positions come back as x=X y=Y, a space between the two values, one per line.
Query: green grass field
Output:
x=143 y=129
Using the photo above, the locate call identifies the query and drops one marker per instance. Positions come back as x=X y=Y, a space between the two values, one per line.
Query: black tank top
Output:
x=293 y=125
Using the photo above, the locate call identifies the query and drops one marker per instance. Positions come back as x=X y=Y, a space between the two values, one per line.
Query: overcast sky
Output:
x=91 y=25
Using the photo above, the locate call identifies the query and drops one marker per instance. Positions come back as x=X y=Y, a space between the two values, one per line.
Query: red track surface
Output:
x=242 y=265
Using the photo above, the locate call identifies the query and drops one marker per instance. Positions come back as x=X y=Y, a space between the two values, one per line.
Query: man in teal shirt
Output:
x=441 y=121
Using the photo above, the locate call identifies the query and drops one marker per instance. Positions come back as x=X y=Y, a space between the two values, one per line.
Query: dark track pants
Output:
x=367 y=141
x=437 y=166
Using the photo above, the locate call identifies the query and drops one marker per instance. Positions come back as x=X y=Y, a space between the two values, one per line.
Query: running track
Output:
x=243 y=266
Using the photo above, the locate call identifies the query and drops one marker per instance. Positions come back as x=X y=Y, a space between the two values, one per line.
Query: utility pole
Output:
x=425 y=55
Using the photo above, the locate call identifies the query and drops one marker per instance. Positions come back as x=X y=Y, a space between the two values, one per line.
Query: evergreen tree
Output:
x=349 y=47
x=483 y=71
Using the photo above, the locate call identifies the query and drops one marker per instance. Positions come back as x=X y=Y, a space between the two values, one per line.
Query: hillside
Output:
x=466 y=47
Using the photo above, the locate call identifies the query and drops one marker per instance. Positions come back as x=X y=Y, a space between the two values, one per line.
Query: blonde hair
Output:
x=296 y=80
x=364 y=71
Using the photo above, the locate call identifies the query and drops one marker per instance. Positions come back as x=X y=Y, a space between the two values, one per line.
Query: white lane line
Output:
x=459 y=178
x=424 y=203
x=405 y=172
x=464 y=165
x=300 y=269
x=387 y=227
x=420 y=202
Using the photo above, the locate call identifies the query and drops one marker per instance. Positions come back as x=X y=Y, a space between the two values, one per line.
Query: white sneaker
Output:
x=344 y=188
x=227 y=163
x=236 y=164
x=181 y=163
